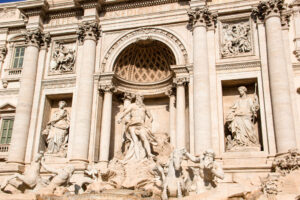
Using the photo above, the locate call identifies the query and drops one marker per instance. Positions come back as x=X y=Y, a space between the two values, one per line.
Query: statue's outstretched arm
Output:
x=48 y=168
x=192 y=157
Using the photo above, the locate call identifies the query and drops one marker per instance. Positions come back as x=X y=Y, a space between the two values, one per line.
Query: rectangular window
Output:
x=18 y=57
x=6 y=130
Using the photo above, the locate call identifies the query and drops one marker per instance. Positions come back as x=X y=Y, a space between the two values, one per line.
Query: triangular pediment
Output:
x=7 y=108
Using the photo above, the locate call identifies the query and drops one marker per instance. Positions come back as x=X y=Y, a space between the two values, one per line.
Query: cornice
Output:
x=136 y=4
x=34 y=8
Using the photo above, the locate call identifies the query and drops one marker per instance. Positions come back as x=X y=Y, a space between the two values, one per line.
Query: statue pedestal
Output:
x=244 y=149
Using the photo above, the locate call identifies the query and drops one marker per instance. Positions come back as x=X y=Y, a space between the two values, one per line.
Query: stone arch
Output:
x=159 y=34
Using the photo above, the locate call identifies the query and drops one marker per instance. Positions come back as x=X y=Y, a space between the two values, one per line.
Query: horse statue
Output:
x=174 y=183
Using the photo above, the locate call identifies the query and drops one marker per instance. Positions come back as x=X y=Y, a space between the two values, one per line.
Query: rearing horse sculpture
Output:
x=173 y=185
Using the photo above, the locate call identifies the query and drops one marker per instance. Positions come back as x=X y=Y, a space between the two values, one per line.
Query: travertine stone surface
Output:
x=87 y=33
x=168 y=71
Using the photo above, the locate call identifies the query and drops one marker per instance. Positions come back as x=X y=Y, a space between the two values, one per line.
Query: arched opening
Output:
x=142 y=68
x=145 y=61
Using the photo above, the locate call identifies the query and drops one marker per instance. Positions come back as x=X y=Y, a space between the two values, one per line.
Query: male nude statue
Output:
x=137 y=128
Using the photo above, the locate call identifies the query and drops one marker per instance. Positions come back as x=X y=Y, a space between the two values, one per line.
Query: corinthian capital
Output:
x=36 y=38
x=179 y=81
x=268 y=8
x=107 y=88
x=201 y=17
x=88 y=31
x=3 y=52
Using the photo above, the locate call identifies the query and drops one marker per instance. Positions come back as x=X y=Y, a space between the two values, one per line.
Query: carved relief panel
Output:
x=241 y=115
x=63 y=57
x=235 y=39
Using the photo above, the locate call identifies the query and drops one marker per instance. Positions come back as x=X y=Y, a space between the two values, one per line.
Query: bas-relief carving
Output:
x=236 y=39
x=56 y=133
x=240 y=120
x=63 y=59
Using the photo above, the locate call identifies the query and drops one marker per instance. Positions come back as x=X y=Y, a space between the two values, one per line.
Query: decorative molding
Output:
x=59 y=83
x=144 y=32
x=34 y=8
x=137 y=4
x=65 y=13
x=8 y=92
x=201 y=17
x=243 y=65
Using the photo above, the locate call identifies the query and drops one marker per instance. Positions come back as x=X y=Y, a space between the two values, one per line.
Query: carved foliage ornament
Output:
x=201 y=16
x=287 y=162
x=236 y=39
x=3 y=52
x=88 y=30
x=36 y=38
x=267 y=8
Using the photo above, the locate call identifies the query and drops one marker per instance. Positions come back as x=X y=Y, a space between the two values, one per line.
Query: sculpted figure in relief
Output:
x=56 y=132
x=31 y=177
x=236 y=39
x=136 y=130
x=205 y=176
x=241 y=119
x=63 y=59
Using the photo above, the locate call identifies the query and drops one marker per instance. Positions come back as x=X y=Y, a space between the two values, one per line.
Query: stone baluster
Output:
x=172 y=111
x=17 y=149
x=88 y=33
x=199 y=20
x=107 y=90
x=180 y=112
x=270 y=12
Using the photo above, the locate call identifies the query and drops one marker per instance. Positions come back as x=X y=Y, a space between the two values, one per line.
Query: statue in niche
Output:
x=137 y=133
x=63 y=59
x=206 y=175
x=236 y=39
x=240 y=120
x=57 y=131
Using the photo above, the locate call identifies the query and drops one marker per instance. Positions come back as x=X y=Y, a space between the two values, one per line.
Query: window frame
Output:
x=1 y=130
x=13 y=57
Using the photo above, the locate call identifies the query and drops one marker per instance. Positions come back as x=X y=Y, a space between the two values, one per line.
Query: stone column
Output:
x=279 y=83
x=17 y=149
x=199 y=20
x=88 y=33
x=172 y=111
x=180 y=112
x=106 y=122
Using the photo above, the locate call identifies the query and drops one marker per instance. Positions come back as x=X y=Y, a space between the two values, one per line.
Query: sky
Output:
x=6 y=1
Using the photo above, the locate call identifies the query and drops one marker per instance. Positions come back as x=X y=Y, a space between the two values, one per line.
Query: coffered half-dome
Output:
x=145 y=61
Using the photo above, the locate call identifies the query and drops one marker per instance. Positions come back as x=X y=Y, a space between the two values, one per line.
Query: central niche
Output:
x=145 y=61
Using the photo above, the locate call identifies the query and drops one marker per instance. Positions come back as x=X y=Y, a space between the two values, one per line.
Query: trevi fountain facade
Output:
x=149 y=99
